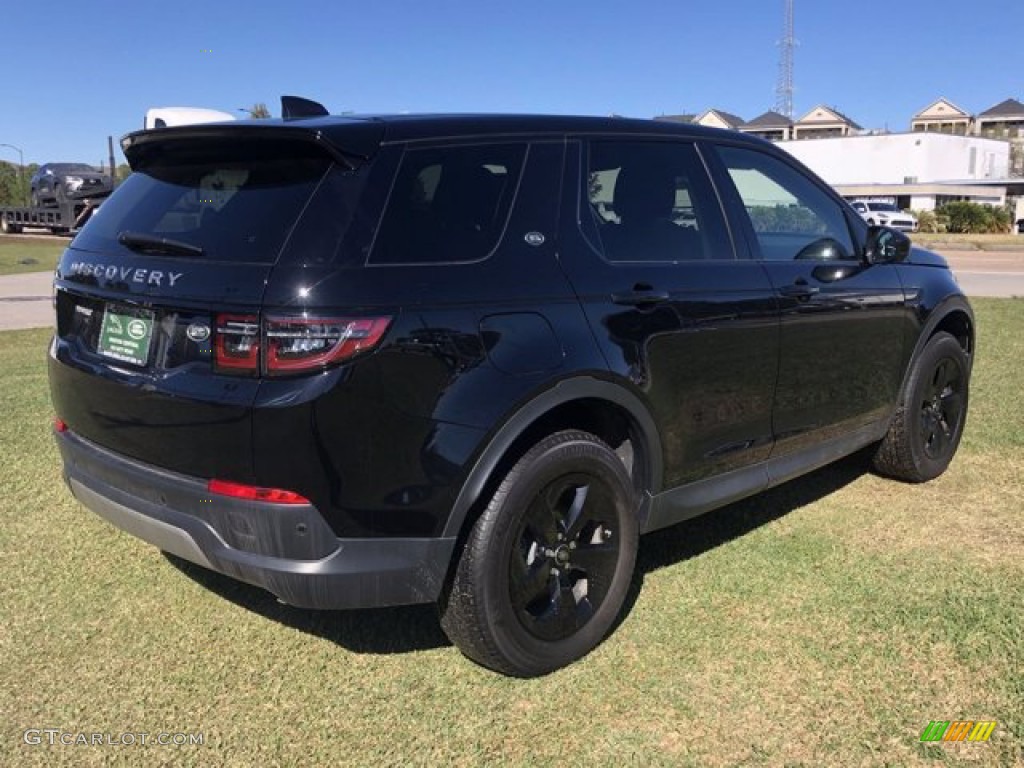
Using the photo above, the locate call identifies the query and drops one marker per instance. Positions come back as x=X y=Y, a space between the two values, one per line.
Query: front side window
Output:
x=652 y=201
x=791 y=216
x=449 y=204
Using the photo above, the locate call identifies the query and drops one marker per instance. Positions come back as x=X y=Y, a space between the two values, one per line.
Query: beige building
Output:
x=771 y=126
x=942 y=116
x=1003 y=121
x=719 y=118
x=822 y=123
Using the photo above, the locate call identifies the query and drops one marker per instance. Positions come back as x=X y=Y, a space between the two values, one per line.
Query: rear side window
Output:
x=449 y=204
x=238 y=200
x=652 y=201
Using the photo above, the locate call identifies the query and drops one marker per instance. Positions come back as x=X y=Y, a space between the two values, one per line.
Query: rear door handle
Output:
x=640 y=298
x=799 y=290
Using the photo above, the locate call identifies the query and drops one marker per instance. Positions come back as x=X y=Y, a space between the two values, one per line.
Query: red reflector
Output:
x=255 y=493
x=59 y=425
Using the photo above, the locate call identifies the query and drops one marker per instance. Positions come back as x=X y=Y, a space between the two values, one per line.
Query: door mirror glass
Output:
x=886 y=245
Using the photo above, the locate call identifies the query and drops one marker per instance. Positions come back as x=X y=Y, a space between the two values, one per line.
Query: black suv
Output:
x=469 y=359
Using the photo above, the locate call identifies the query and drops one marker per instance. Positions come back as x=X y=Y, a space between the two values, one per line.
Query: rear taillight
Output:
x=296 y=344
x=291 y=344
x=254 y=492
x=59 y=425
x=237 y=344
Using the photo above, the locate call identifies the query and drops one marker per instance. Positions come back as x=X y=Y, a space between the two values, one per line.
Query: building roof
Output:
x=840 y=117
x=1008 y=108
x=677 y=118
x=956 y=113
x=734 y=120
x=769 y=119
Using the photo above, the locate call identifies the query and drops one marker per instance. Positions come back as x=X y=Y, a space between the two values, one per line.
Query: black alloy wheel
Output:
x=547 y=565
x=927 y=426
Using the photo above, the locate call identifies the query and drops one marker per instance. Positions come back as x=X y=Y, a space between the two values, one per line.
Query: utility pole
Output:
x=784 y=85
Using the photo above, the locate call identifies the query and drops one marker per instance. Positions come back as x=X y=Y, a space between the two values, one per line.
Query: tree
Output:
x=258 y=111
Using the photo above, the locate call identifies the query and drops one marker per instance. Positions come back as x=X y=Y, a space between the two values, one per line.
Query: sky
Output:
x=68 y=85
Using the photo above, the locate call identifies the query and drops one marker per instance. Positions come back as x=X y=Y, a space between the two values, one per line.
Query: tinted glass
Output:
x=237 y=200
x=652 y=201
x=792 y=217
x=449 y=204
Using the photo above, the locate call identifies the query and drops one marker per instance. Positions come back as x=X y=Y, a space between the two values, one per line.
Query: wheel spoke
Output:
x=574 y=517
x=564 y=615
x=530 y=581
x=596 y=560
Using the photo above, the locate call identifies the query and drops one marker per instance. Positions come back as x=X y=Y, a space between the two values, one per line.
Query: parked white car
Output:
x=885 y=214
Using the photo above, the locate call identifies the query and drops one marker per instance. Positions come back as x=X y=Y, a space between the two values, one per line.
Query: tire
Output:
x=7 y=227
x=929 y=420
x=547 y=566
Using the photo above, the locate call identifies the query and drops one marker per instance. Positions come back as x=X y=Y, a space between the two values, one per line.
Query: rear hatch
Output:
x=158 y=297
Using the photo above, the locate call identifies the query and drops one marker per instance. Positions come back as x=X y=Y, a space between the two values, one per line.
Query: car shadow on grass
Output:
x=415 y=628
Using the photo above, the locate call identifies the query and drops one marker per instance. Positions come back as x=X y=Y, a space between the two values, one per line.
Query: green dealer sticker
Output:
x=126 y=337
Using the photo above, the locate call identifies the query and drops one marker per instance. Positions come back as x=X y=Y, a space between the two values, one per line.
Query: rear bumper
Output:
x=287 y=549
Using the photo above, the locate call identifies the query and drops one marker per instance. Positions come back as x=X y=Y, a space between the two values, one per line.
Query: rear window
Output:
x=449 y=204
x=238 y=200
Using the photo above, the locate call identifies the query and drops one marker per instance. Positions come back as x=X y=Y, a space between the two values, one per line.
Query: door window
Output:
x=792 y=217
x=652 y=201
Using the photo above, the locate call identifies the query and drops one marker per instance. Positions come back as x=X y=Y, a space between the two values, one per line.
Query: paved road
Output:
x=25 y=299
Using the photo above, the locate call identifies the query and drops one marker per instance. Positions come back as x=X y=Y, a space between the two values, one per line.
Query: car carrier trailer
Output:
x=66 y=217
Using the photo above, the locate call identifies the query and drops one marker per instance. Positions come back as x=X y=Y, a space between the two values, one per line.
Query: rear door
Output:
x=842 y=319
x=158 y=298
x=675 y=310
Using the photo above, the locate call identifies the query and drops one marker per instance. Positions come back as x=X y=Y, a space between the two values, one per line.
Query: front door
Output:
x=842 y=319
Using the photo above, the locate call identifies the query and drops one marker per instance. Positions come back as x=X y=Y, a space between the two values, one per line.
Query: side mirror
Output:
x=886 y=246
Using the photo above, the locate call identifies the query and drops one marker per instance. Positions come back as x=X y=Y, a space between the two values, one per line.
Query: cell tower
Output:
x=784 y=86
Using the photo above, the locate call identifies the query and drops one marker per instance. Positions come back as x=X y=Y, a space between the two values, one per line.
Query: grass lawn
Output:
x=823 y=623
x=969 y=242
x=25 y=254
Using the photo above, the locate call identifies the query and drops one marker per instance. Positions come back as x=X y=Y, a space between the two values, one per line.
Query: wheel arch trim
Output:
x=565 y=391
x=950 y=305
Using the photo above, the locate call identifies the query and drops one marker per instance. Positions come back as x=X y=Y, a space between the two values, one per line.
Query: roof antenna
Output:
x=293 y=107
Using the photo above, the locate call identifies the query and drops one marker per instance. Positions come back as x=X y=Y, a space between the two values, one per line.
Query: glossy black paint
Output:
x=712 y=369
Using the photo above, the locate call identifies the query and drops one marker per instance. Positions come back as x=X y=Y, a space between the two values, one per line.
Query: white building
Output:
x=915 y=170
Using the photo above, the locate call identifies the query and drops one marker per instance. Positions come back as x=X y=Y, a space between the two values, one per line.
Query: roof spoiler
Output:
x=293 y=107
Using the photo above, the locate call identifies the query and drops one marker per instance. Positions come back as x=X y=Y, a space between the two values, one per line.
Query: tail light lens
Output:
x=237 y=344
x=291 y=344
x=297 y=344
x=254 y=492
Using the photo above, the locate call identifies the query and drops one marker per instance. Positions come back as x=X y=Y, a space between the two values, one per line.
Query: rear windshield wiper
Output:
x=152 y=244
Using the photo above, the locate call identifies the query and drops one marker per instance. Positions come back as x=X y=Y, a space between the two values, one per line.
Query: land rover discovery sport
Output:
x=469 y=359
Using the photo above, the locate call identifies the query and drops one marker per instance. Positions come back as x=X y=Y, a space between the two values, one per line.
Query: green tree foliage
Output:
x=258 y=111
x=930 y=221
x=974 y=218
x=785 y=218
x=14 y=188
